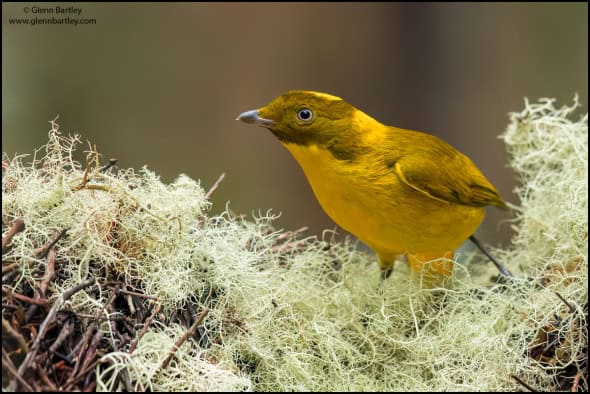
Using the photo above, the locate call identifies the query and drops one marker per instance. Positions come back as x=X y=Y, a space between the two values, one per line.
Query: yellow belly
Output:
x=376 y=207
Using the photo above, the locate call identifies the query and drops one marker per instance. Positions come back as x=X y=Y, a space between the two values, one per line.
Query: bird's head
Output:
x=305 y=117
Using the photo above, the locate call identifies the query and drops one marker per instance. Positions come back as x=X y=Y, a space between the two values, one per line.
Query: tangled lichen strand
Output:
x=191 y=370
x=117 y=228
x=287 y=313
x=549 y=153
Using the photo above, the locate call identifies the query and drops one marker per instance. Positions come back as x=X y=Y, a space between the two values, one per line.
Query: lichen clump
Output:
x=290 y=313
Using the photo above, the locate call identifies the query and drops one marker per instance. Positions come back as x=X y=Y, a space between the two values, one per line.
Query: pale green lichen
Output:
x=191 y=370
x=307 y=314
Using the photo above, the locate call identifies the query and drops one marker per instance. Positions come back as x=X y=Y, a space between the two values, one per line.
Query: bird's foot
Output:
x=386 y=273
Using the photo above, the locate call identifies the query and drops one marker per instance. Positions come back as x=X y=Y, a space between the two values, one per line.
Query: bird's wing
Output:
x=454 y=179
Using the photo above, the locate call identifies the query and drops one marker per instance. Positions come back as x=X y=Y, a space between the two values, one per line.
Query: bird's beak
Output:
x=252 y=117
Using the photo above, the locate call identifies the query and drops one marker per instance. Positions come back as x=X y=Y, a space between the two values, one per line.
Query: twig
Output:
x=29 y=300
x=8 y=329
x=211 y=291
x=43 y=250
x=104 y=188
x=111 y=311
x=9 y=277
x=570 y=306
x=43 y=375
x=215 y=185
x=82 y=353
x=9 y=267
x=144 y=329
x=67 y=329
x=81 y=375
x=91 y=352
x=36 y=386
x=525 y=385
x=7 y=363
x=44 y=326
x=79 y=349
x=130 y=304
x=127 y=381
x=191 y=332
x=130 y=328
x=17 y=226
x=47 y=277
x=119 y=317
x=81 y=343
x=12 y=307
x=288 y=234
x=190 y=314
x=49 y=272
x=112 y=163
x=91 y=387
x=129 y=292
x=288 y=246
x=85 y=178
x=576 y=382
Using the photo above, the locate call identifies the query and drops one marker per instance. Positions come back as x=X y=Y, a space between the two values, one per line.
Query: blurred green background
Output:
x=161 y=84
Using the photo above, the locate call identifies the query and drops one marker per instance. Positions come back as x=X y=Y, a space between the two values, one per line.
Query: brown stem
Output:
x=525 y=385
x=576 y=382
x=29 y=300
x=112 y=163
x=215 y=185
x=49 y=272
x=65 y=332
x=149 y=297
x=7 y=363
x=43 y=250
x=45 y=325
x=144 y=329
x=190 y=332
x=17 y=226
x=570 y=306
x=8 y=329
x=9 y=267
x=78 y=352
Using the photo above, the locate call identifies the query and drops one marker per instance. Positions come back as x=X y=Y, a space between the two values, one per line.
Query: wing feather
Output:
x=456 y=180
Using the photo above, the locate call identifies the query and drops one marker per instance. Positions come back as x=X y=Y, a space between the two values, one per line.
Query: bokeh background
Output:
x=161 y=84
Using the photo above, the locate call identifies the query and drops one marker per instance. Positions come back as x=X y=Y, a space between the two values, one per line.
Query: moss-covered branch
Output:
x=286 y=312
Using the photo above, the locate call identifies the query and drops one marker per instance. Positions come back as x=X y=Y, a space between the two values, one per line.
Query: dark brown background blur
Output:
x=161 y=84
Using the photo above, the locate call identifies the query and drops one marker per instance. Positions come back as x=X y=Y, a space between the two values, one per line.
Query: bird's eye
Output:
x=305 y=115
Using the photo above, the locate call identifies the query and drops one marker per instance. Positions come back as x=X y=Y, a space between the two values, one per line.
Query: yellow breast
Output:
x=372 y=203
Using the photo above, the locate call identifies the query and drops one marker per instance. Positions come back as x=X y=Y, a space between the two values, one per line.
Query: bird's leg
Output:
x=386 y=272
x=386 y=264
x=503 y=270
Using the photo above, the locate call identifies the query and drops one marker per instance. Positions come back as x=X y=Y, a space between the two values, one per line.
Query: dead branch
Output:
x=190 y=332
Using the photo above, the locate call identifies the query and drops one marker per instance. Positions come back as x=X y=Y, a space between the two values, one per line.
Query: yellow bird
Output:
x=402 y=192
